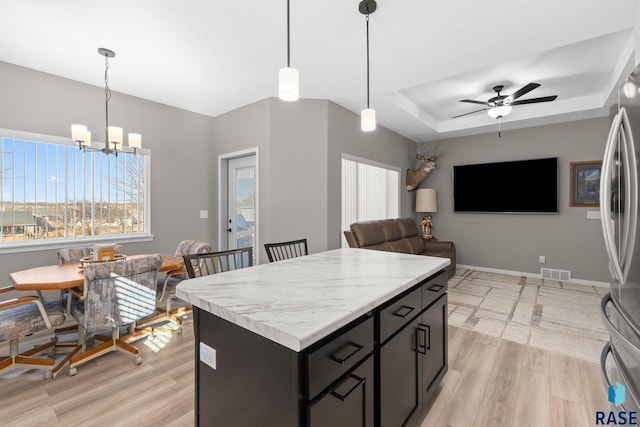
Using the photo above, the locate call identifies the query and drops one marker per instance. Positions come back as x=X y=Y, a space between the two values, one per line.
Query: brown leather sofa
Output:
x=399 y=235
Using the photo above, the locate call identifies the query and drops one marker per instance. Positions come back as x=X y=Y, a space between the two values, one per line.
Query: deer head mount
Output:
x=415 y=177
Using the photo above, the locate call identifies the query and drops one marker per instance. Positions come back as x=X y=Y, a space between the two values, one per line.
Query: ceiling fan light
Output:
x=288 y=84
x=368 y=119
x=500 y=111
x=629 y=89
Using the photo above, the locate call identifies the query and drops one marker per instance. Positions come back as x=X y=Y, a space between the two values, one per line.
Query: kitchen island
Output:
x=325 y=339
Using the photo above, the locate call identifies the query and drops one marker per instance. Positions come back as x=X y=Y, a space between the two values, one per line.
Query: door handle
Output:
x=403 y=311
x=423 y=338
x=343 y=397
x=340 y=356
x=631 y=198
x=229 y=230
x=605 y=197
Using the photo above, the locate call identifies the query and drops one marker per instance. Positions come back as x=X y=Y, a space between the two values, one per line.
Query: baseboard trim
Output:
x=538 y=276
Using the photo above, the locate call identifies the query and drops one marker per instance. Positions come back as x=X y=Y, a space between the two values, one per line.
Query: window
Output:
x=370 y=190
x=54 y=192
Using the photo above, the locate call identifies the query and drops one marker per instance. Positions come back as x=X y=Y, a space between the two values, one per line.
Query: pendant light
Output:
x=368 y=115
x=112 y=134
x=288 y=82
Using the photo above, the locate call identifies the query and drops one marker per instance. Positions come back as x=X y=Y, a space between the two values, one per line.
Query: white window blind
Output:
x=369 y=191
x=52 y=191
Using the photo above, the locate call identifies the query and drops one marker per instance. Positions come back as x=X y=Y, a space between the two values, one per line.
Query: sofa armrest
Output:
x=351 y=239
x=442 y=249
x=438 y=246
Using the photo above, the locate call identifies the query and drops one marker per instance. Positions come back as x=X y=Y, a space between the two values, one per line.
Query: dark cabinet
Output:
x=400 y=377
x=434 y=351
x=348 y=403
x=414 y=359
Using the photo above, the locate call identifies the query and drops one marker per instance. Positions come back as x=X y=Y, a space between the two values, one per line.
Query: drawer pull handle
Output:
x=346 y=352
x=403 y=311
x=436 y=288
x=343 y=397
x=423 y=338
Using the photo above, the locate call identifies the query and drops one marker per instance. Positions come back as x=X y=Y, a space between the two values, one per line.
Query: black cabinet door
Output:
x=349 y=403
x=400 y=377
x=432 y=340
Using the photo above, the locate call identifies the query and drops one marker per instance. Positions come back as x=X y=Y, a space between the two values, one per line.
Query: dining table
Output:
x=57 y=277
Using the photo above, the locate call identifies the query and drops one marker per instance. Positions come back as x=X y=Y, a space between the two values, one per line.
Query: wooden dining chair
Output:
x=218 y=262
x=286 y=250
x=116 y=294
x=24 y=316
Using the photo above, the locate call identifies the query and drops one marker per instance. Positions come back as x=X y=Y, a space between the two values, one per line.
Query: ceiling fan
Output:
x=500 y=105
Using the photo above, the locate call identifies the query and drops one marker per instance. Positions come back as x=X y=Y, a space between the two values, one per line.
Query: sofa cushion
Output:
x=390 y=229
x=415 y=244
x=398 y=246
x=368 y=233
x=407 y=227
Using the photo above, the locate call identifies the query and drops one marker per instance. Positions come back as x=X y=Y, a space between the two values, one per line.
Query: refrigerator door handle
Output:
x=631 y=196
x=611 y=327
x=605 y=198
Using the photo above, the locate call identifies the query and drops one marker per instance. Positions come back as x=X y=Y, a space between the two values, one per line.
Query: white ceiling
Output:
x=212 y=56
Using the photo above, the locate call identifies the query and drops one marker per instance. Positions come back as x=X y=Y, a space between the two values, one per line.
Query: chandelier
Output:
x=112 y=134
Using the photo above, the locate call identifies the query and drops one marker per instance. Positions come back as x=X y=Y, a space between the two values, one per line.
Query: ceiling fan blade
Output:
x=471 y=112
x=534 y=100
x=522 y=91
x=472 y=101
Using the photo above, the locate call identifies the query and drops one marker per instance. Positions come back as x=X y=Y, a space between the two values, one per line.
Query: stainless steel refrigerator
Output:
x=620 y=360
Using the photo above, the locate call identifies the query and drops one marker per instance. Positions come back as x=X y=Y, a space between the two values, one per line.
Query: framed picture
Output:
x=585 y=183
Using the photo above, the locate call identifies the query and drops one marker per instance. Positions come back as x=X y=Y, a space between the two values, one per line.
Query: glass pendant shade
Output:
x=135 y=140
x=368 y=119
x=115 y=135
x=288 y=84
x=500 y=111
x=79 y=133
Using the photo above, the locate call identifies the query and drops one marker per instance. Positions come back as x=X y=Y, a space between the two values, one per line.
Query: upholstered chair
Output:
x=168 y=306
x=24 y=316
x=116 y=294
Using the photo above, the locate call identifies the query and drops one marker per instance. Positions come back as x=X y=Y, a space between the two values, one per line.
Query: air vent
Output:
x=553 y=274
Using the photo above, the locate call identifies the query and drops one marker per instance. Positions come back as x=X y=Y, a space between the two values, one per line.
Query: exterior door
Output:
x=241 y=200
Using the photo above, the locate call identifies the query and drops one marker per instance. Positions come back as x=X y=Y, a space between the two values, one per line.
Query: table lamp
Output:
x=426 y=202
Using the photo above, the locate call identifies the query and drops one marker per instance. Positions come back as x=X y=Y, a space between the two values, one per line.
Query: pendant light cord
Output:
x=107 y=97
x=367 y=61
x=288 y=38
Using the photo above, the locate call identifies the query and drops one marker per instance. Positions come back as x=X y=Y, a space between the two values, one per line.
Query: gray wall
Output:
x=569 y=240
x=181 y=144
x=300 y=155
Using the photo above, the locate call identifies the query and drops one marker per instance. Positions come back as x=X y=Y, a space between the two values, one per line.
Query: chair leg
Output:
x=110 y=344
x=28 y=359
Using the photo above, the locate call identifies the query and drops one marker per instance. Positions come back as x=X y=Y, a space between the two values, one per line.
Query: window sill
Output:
x=32 y=246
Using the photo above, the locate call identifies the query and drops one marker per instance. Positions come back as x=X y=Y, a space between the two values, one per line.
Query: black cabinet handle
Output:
x=435 y=288
x=403 y=311
x=346 y=352
x=359 y=381
x=423 y=338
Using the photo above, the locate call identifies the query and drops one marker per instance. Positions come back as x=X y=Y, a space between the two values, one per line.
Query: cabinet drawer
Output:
x=434 y=289
x=327 y=363
x=399 y=313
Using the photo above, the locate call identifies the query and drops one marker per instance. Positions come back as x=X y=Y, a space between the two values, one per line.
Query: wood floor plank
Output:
x=491 y=383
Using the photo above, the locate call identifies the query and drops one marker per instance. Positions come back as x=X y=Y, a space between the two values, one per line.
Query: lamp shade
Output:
x=79 y=133
x=426 y=200
x=288 y=84
x=368 y=119
x=500 y=111
x=115 y=135
x=135 y=140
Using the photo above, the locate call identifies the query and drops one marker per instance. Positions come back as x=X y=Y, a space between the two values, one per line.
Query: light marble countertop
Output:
x=302 y=300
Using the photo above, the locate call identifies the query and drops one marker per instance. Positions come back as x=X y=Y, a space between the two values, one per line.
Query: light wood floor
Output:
x=491 y=382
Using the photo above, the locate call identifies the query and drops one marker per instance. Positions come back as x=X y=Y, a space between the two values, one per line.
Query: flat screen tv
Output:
x=523 y=187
